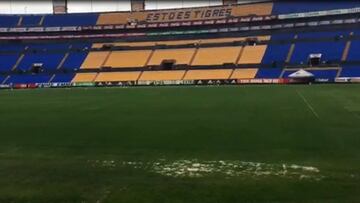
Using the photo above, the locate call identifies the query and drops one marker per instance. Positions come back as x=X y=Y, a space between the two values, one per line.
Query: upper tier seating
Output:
x=286 y=7
x=70 y=20
x=31 y=20
x=162 y=75
x=9 y=21
x=216 y=56
x=128 y=59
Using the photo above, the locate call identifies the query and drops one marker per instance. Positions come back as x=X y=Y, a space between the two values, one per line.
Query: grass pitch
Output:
x=186 y=144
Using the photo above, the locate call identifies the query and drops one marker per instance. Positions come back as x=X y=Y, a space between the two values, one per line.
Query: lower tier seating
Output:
x=350 y=71
x=117 y=76
x=28 y=79
x=328 y=74
x=249 y=73
x=219 y=74
x=162 y=75
x=84 y=77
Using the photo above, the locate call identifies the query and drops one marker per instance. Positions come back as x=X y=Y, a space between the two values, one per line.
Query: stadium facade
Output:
x=263 y=42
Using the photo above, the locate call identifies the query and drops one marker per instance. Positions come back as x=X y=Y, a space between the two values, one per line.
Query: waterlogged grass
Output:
x=205 y=144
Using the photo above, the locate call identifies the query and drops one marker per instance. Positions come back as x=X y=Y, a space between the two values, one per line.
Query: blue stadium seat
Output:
x=286 y=7
x=334 y=34
x=63 y=77
x=330 y=51
x=350 y=71
x=49 y=46
x=28 y=79
x=70 y=20
x=50 y=61
x=7 y=61
x=74 y=60
x=9 y=21
x=354 y=52
x=31 y=20
x=2 y=78
x=276 y=53
x=268 y=73
x=11 y=47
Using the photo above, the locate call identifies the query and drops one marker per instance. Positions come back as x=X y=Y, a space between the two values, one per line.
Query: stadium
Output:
x=179 y=101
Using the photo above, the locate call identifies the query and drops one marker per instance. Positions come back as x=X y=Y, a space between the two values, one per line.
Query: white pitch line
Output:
x=308 y=104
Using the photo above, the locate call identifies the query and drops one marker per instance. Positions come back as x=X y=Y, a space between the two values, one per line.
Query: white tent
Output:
x=301 y=74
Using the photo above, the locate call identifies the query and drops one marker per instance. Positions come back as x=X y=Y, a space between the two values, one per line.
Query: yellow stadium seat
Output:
x=248 y=73
x=180 y=56
x=252 y=54
x=253 y=9
x=95 y=60
x=84 y=77
x=117 y=76
x=128 y=59
x=162 y=75
x=216 y=56
x=218 y=74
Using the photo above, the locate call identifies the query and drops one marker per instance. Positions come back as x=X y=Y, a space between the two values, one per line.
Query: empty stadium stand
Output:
x=216 y=56
x=62 y=78
x=252 y=54
x=95 y=60
x=70 y=20
x=248 y=73
x=178 y=56
x=117 y=76
x=84 y=77
x=350 y=71
x=268 y=73
x=128 y=59
x=162 y=75
x=28 y=79
x=219 y=74
x=148 y=55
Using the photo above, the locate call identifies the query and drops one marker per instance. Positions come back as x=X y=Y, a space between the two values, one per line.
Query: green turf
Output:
x=51 y=138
